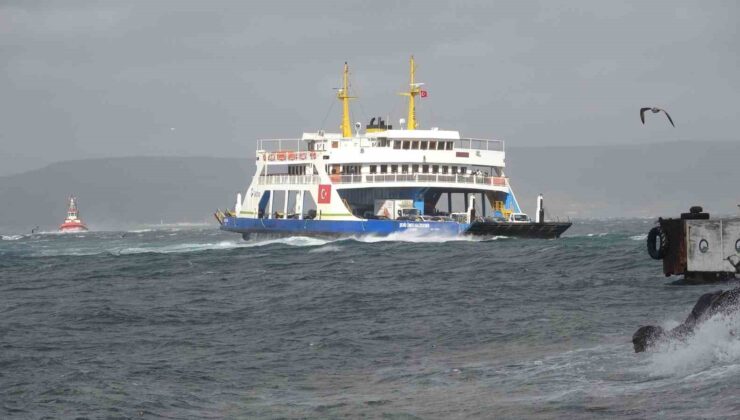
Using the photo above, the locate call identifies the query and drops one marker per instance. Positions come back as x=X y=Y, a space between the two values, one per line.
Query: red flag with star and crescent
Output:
x=324 y=194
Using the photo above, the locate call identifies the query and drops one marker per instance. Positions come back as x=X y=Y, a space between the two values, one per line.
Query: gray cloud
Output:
x=97 y=79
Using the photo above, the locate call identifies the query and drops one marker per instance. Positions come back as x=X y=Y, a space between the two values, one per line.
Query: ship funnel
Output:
x=540 y=215
x=471 y=209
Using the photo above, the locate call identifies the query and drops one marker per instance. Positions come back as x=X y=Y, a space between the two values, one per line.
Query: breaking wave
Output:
x=714 y=345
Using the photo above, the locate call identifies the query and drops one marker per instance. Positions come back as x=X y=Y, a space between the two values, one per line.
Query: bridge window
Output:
x=415 y=144
x=373 y=169
x=383 y=169
x=394 y=169
x=435 y=169
x=406 y=145
x=449 y=145
x=350 y=169
x=415 y=169
x=441 y=145
x=423 y=145
x=432 y=145
x=397 y=144
x=454 y=169
x=404 y=169
x=425 y=169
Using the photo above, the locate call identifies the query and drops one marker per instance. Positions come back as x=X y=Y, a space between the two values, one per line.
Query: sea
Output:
x=183 y=322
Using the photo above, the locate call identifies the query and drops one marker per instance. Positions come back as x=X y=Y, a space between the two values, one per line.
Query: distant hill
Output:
x=578 y=182
x=629 y=181
x=117 y=193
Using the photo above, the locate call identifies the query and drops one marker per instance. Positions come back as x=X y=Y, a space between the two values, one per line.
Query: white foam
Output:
x=715 y=342
x=424 y=237
x=326 y=248
x=639 y=237
x=11 y=237
x=298 y=241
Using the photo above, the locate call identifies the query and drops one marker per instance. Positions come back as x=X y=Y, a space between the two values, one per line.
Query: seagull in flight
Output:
x=654 y=110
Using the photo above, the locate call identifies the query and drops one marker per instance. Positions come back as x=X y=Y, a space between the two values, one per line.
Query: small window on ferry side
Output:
x=406 y=145
x=425 y=169
x=444 y=169
x=415 y=144
x=440 y=145
x=404 y=169
x=383 y=169
x=435 y=169
x=432 y=145
x=415 y=169
x=397 y=144
x=454 y=169
x=373 y=169
x=394 y=169
x=423 y=145
x=449 y=145
x=463 y=170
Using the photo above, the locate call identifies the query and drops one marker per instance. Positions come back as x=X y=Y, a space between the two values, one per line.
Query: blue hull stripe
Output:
x=340 y=227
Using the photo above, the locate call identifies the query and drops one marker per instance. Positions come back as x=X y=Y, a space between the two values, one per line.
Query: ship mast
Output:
x=343 y=95
x=414 y=89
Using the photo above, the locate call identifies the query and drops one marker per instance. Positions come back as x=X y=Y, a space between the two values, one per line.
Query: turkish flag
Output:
x=423 y=93
x=324 y=194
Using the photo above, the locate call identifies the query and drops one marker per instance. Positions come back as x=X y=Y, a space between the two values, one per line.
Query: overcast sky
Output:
x=94 y=79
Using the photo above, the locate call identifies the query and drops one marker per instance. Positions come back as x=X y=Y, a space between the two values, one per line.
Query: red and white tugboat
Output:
x=72 y=223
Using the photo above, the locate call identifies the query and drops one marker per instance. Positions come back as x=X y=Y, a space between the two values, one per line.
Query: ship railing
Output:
x=496 y=181
x=279 y=179
x=282 y=145
x=479 y=144
x=288 y=180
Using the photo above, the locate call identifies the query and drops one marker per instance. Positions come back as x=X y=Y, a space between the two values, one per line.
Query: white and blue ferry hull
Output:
x=382 y=227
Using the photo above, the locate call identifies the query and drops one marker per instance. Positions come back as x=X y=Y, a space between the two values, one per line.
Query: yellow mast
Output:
x=343 y=95
x=414 y=89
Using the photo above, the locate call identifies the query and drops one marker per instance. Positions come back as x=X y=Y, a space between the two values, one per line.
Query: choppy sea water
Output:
x=194 y=322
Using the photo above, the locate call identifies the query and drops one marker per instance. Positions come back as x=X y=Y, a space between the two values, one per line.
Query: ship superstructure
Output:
x=380 y=180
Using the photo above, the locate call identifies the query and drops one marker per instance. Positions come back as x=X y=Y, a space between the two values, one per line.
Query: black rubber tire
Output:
x=657 y=252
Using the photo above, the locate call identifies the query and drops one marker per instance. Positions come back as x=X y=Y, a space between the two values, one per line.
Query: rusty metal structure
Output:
x=698 y=247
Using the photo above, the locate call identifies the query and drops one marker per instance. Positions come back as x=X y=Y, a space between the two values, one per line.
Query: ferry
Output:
x=382 y=180
x=72 y=223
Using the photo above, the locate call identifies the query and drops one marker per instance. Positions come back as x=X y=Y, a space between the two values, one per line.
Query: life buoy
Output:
x=281 y=155
x=271 y=156
x=657 y=250
x=291 y=156
x=313 y=155
x=302 y=156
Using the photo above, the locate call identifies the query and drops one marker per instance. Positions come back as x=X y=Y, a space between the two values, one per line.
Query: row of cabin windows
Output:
x=297 y=170
x=343 y=169
x=422 y=145
x=414 y=169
